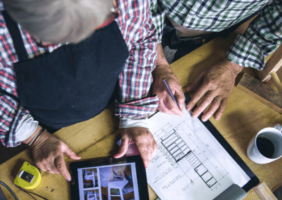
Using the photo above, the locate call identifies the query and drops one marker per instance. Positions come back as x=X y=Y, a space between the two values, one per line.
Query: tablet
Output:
x=109 y=179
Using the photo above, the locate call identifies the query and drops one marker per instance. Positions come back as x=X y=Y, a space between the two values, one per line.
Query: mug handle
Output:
x=278 y=127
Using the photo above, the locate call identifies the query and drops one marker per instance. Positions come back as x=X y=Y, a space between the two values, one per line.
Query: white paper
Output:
x=190 y=164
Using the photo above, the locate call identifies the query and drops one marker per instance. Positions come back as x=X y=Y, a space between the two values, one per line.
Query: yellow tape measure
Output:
x=28 y=177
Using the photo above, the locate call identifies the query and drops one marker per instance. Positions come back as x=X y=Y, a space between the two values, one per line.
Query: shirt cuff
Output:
x=25 y=128
x=129 y=123
x=136 y=109
x=10 y=141
x=245 y=53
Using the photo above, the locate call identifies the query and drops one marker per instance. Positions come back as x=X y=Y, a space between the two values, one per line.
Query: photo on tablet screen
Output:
x=92 y=194
x=111 y=182
x=90 y=179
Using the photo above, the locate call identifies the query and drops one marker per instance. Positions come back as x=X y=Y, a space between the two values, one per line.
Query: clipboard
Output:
x=232 y=192
x=253 y=178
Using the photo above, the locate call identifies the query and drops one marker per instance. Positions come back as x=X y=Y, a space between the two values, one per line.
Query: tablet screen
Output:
x=108 y=182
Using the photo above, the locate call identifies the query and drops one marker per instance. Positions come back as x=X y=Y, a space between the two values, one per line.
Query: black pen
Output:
x=170 y=92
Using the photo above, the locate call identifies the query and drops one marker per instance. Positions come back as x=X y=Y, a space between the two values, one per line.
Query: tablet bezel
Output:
x=104 y=161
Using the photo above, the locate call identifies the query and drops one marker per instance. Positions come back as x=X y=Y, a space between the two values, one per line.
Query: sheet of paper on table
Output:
x=189 y=163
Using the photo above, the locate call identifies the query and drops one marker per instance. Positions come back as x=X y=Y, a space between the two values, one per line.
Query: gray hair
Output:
x=59 y=21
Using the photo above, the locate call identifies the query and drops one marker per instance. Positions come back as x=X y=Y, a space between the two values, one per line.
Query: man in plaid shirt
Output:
x=201 y=18
x=122 y=49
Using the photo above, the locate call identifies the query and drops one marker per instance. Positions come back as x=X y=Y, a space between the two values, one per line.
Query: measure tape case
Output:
x=28 y=177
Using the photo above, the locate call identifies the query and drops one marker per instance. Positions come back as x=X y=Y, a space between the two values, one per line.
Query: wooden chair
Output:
x=262 y=91
x=271 y=68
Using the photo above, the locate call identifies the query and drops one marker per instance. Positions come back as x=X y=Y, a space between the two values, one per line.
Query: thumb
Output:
x=193 y=86
x=123 y=147
x=70 y=153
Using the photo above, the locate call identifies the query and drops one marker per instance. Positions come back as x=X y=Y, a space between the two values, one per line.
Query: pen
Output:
x=170 y=92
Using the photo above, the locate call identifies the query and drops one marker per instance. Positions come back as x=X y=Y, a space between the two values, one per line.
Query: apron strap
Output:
x=16 y=36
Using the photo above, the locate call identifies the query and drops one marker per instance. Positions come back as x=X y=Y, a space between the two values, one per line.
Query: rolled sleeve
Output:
x=139 y=108
x=246 y=53
x=10 y=116
x=263 y=37
x=134 y=99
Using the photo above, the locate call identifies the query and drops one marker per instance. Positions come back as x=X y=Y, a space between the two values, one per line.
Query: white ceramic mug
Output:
x=274 y=135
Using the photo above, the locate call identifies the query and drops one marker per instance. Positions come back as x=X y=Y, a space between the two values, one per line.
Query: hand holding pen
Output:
x=170 y=92
x=173 y=99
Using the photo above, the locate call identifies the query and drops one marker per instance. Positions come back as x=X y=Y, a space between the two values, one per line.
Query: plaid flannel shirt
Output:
x=263 y=36
x=135 y=24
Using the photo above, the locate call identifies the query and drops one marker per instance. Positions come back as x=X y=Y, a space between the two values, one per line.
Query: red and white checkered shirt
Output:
x=135 y=80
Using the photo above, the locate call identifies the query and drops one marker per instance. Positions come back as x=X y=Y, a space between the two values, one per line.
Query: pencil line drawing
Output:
x=196 y=153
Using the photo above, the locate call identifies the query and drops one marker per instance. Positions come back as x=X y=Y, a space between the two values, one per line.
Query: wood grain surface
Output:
x=261 y=92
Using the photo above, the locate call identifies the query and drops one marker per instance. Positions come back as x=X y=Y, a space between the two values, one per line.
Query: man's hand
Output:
x=213 y=87
x=143 y=139
x=163 y=71
x=48 y=154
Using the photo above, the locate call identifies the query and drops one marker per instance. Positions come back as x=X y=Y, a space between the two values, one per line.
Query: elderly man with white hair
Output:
x=60 y=62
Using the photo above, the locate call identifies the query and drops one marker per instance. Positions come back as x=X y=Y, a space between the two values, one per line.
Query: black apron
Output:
x=73 y=83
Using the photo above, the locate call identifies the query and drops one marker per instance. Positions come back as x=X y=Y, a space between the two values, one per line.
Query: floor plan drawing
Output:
x=184 y=154
x=189 y=163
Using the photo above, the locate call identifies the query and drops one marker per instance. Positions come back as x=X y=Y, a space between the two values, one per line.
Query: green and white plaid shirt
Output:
x=263 y=36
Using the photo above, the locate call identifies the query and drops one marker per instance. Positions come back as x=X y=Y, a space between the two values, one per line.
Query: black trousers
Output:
x=183 y=45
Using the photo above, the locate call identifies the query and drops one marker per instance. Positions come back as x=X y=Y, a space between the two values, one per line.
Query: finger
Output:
x=219 y=112
x=41 y=166
x=152 y=149
x=155 y=145
x=206 y=101
x=50 y=171
x=150 y=155
x=193 y=86
x=70 y=153
x=180 y=98
x=61 y=167
x=123 y=147
x=197 y=96
x=53 y=169
x=212 y=109
x=46 y=163
x=144 y=152
x=172 y=106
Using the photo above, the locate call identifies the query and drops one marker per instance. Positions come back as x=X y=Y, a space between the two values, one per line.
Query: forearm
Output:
x=233 y=67
x=162 y=67
x=161 y=59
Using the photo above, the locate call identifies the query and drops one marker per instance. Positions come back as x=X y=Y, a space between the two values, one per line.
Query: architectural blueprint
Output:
x=189 y=163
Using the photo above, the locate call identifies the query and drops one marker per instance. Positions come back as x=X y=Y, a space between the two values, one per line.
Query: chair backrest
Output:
x=272 y=65
x=271 y=68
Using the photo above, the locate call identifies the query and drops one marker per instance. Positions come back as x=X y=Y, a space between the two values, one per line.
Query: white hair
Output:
x=59 y=21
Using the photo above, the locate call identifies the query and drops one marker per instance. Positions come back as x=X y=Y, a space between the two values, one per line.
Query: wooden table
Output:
x=242 y=119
